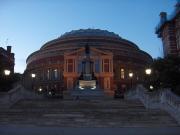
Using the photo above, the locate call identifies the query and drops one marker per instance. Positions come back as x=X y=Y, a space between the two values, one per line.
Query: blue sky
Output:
x=28 y=24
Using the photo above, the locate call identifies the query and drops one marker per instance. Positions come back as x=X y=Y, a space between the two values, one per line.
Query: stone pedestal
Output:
x=88 y=93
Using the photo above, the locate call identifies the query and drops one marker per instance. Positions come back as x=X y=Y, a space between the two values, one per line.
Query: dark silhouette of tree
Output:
x=166 y=73
x=6 y=82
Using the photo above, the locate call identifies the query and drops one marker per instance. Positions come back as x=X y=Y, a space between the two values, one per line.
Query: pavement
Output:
x=34 y=130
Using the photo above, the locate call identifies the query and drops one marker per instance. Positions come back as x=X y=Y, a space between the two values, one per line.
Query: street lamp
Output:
x=7 y=78
x=33 y=76
x=151 y=87
x=148 y=71
x=131 y=76
x=7 y=72
x=40 y=89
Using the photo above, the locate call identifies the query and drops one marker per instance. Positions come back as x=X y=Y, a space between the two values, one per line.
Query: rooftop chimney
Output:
x=177 y=6
x=9 y=49
x=163 y=16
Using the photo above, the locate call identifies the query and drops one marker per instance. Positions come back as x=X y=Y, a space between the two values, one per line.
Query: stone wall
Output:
x=7 y=99
x=162 y=99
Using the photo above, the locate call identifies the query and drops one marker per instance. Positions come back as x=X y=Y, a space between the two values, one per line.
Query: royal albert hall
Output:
x=59 y=64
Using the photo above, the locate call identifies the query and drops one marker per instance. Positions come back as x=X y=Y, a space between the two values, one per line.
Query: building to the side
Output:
x=84 y=54
x=169 y=31
x=6 y=60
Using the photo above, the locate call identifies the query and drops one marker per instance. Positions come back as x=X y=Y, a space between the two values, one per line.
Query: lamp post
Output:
x=7 y=72
x=131 y=76
x=148 y=72
x=7 y=82
x=33 y=76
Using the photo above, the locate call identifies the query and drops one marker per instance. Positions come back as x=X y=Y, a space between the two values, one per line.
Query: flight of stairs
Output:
x=85 y=113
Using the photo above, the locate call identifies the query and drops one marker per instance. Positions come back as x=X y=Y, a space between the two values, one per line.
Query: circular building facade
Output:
x=58 y=64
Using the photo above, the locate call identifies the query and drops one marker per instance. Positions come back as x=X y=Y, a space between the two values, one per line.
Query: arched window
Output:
x=55 y=74
x=48 y=74
x=122 y=73
x=106 y=65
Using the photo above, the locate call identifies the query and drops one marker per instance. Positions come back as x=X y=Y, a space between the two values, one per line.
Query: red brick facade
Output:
x=169 y=31
x=6 y=60
x=57 y=64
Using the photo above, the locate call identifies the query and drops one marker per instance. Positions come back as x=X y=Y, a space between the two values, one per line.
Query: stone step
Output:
x=69 y=102
x=83 y=106
x=85 y=113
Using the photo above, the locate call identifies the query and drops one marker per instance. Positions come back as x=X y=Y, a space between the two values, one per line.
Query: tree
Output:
x=166 y=73
x=6 y=82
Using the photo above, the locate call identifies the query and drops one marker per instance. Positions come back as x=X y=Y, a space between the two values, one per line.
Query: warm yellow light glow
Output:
x=131 y=75
x=33 y=75
x=148 y=71
x=7 y=72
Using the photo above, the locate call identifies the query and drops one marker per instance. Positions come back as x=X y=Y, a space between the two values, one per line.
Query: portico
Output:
x=91 y=64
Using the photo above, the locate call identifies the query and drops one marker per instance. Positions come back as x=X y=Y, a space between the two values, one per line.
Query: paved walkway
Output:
x=85 y=117
x=33 y=130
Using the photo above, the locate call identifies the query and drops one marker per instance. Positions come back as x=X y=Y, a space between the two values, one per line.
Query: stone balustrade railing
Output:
x=161 y=99
x=18 y=93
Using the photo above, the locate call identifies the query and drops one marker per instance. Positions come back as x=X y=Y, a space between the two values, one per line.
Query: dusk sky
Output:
x=28 y=24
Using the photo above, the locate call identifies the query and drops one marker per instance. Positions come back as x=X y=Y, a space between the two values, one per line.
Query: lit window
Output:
x=122 y=73
x=55 y=75
x=106 y=65
x=48 y=74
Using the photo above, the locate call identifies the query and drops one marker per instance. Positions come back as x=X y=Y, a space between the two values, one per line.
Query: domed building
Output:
x=84 y=54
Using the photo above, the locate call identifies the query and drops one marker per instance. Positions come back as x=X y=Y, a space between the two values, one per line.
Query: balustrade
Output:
x=161 y=99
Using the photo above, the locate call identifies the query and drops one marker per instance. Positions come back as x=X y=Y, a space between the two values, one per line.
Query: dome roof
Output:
x=86 y=33
x=99 y=39
x=89 y=32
